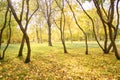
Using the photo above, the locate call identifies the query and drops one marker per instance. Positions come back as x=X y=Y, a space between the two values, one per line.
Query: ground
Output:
x=50 y=63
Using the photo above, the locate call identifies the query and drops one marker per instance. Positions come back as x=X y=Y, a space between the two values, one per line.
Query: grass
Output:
x=50 y=63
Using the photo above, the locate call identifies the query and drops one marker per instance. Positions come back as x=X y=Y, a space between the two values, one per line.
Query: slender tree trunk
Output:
x=37 y=36
x=113 y=43
x=70 y=34
x=76 y=21
x=62 y=36
x=106 y=40
x=25 y=35
x=9 y=38
x=49 y=33
x=1 y=32
x=29 y=50
x=62 y=26
x=63 y=42
x=4 y=25
x=21 y=26
x=41 y=35
x=21 y=47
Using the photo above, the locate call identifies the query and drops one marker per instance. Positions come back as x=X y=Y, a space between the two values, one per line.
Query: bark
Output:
x=113 y=43
x=63 y=42
x=116 y=30
x=22 y=43
x=47 y=15
x=21 y=48
x=49 y=33
x=86 y=44
x=70 y=34
x=27 y=22
x=105 y=50
x=41 y=35
x=37 y=35
x=62 y=25
x=109 y=22
x=4 y=25
x=62 y=37
x=110 y=26
x=9 y=37
x=23 y=31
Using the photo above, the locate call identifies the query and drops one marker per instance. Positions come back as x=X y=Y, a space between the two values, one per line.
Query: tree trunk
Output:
x=19 y=21
x=70 y=34
x=4 y=25
x=86 y=44
x=63 y=42
x=37 y=36
x=29 y=49
x=49 y=33
x=41 y=35
x=21 y=47
x=9 y=38
x=76 y=21
x=113 y=42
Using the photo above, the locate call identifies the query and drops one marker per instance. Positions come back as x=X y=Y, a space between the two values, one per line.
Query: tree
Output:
x=62 y=23
x=1 y=33
x=19 y=21
x=27 y=22
x=46 y=8
x=105 y=49
x=69 y=26
x=108 y=20
x=79 y=27
x=4 y=25
x=9 y=38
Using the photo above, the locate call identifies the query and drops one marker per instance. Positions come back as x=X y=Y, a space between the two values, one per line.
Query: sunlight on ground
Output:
x=50 y=63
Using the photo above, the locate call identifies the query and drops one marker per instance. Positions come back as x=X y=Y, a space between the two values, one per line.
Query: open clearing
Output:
x=50 y=63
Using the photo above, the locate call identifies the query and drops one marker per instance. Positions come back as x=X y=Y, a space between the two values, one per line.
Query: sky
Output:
x=88 y=5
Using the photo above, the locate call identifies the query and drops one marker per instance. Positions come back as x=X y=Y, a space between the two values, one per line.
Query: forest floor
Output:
x=50 y=63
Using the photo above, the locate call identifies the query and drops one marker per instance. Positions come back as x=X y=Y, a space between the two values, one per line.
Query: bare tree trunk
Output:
x=9 y=37
x=49 y=33
x=37 y=36
x=62 y=25
x=105 y=49
x=40 y=34
x=29 y=50
x=109 y=23
x=86 y=44
x=22 y=29
x=70 y=34
x=113 y=44
x=115 y=30
x=4 y=25
x=47 y=11
x=63 y=42
x=25 y=37
x=21 y=47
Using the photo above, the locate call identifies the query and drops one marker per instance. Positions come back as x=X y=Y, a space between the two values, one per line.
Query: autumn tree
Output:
x=106 y=47
x=9 y=37
x=5 y=19
x=19 y=21
x=1 y=32
x=61 y=26
x=27 y=22
x=46 y=9
x=76 y=21
x=108 y=21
